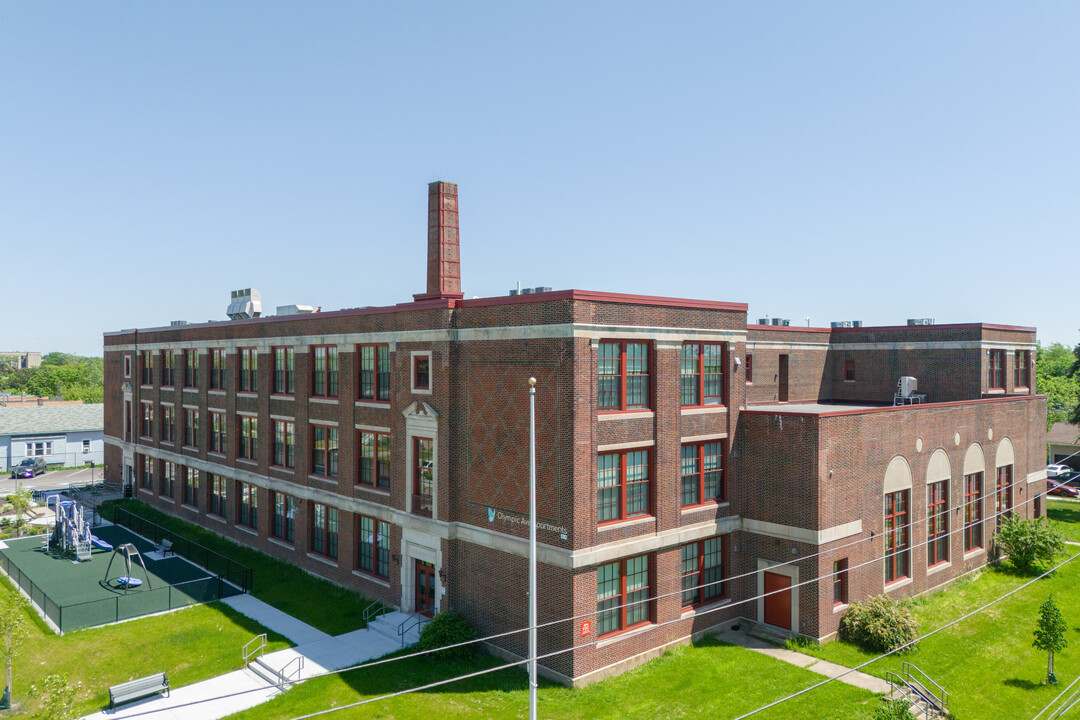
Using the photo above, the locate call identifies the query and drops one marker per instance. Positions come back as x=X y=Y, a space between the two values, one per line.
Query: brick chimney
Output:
x=444 y=259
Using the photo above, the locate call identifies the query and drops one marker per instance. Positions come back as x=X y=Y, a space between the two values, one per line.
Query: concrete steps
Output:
x=388 y=624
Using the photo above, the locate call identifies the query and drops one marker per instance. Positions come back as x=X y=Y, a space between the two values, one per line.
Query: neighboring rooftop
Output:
x=47 y=419
x=1063 y=434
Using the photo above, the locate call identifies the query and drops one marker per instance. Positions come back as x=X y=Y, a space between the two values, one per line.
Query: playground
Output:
x=74 y=594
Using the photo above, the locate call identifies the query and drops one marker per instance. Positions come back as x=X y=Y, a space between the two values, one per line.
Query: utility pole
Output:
x=532 y=548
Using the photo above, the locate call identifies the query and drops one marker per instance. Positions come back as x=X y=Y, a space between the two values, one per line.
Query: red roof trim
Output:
x=788 y=328
x=953 y=326
x=593 y=296
x=890 y=408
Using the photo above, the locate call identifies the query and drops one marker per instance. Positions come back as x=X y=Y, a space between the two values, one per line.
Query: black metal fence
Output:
x=226 y=568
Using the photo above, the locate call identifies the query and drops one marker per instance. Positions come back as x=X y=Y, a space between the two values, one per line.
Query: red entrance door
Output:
x=778 y=605
x=425 y=588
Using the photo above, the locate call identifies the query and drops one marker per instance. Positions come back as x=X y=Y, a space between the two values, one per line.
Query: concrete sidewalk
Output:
x=227 y=694
x=813 y=664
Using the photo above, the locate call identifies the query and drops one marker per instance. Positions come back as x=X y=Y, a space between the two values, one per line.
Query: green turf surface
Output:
x=84 y=594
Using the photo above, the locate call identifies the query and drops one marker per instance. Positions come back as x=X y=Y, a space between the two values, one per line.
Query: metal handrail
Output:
x=900 y=684
x=374 y=610
x=908 y=667
x=283 y=676
x=247 y=652
x=411 y=622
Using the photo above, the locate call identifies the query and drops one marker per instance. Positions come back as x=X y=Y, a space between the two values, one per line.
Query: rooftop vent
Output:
x=531 y=291
x=295 y=309
x=244 y=304
x=920 y=321
x=846 y=323
x=781 y=321
x=178 y=323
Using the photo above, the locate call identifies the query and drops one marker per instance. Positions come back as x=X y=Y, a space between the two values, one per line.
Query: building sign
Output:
x=516 y=519
x=586 y=628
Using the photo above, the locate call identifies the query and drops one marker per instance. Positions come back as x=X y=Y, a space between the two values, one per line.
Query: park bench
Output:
x=166 y=547
x=136 y=689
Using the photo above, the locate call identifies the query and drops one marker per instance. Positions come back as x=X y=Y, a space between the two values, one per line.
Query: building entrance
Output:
x=424 y=600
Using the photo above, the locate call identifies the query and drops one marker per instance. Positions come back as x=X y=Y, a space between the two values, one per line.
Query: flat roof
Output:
x=51 y=419
x=826 y=409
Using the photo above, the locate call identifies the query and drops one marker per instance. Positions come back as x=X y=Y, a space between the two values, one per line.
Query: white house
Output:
x=65 y=435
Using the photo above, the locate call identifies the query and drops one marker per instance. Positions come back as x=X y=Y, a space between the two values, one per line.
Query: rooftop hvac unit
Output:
x=244 y=304
x=763 y=321
x=541 y=289
x=841 y=323
x=781 y=321
x=906 y=386
x=295 y=309
x=920 y=321
x=856 y=323
x=177 y=323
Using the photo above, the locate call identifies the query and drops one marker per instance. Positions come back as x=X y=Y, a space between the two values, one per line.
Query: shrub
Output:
x=1028 y=543
x=879 y=624
x=898 y=709
x=448 y=628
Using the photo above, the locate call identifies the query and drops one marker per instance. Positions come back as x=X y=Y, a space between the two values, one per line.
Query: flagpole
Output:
x=532 y=548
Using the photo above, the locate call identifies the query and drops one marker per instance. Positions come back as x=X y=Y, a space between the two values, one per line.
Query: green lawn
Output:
x=321 y=604
x=187 y=645
x=986 y=662
x=1064 y=516
x=707 y=680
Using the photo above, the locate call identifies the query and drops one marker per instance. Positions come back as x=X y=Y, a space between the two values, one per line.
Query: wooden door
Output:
x=782 y=373
x=424 y=602
x=778 y=605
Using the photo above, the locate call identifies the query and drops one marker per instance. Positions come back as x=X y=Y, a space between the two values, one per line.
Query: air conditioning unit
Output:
x=907 y=386
x=841 y=323
x=856 y=323
x=920 y=321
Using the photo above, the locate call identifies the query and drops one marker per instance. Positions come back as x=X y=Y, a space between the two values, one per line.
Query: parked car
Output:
x=1064 y=490
x=1055 y=470
x=29 y=467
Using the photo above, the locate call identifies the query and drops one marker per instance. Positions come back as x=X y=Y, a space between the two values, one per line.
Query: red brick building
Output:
x=687 y=462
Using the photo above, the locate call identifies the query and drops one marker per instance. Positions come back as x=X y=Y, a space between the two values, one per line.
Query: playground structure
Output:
x=71 y=533
x=127 y=580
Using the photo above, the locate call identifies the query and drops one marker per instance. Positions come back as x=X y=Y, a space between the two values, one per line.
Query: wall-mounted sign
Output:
x=586 y=628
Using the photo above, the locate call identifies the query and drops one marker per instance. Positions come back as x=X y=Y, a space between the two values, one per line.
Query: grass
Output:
x=319 y=603
x=188 y=646
x=708 y=679
x=1064 y=516
x=985 y=662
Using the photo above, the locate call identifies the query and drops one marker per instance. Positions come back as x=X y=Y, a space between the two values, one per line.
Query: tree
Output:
x=1074 y=416
x=12 y=632
x=1050 y=635
x=1028 y=542
x=57 y=697
x=1052 y=378
x=20 y=501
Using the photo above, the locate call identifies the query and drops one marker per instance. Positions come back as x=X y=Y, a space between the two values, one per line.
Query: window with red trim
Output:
x=217 y=368
x=146 y=472
x=284 y=367
x=248 y=373
x=849 y=370
x=896 y=536
x=623 y=375
x=622 y=485
x=191 y=487
x=374 y=467
x=996 y=370
x=840 y=582
x=324 y=530
x=191 y=368
x=973 y=511
x=701 y=374
x=284 y=444
x=749 y=368
x=1003 y=496
x=284 y=526
x=249 y=437
x=423 y=475
x=146 y=367
x=167 y=368
x=373 y=546
x=216 y=428
x=324 y=371
x=324 y=451
x=168 y=479
x=168 y=423
x=701 y=473
x=421 y=372
x=146 y=429
x=216 y=485
x=247 y=505
x=937 y=523
x=1023 y=368
x=622 y=595
x=703 y=571
x=374 y=372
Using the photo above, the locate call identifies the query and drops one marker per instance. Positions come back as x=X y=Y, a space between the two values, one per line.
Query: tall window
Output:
x=701 y=375
x=973 y=511
x=623 y=376
x=702 y=473
x=622 y=485
x=324 y=371
x=146 y=367
x=374 y=459
x=749 y=368
x=168 y=423
x=373 y=546
x=191 y=427
x=248 y=380
x=1023 y=369
x=421 y=372
x=168 y=479
x=191 y=487
x=147 y=428
x=703 y=572
x=423 y=475
x=622 y=595
x=937 y=523
x=284 y=517
x=284 y=444
x=374 y=372
x=191 y=368
x=849 y=370
x=324 y=451
x=146 y=474
x=217 y=369
x=217 y=485
x=324 y=530
x=996 y=377
x=249 y=437
x=284 y=366
x=247 y=505
x=217 y=432
x=1003 y=496
x=896 y=535
x=839 y=582
x=167 y=368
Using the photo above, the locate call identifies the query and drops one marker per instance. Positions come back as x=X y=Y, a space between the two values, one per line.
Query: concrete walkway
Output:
x=319 y=654
x=813 y=664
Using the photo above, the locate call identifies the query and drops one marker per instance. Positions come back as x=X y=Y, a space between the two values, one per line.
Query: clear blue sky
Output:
x=834 y=160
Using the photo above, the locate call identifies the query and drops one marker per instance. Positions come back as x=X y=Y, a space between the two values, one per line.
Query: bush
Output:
x=448 y=628
x=879 y=624
x=898 y=709
x=1028 y=543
